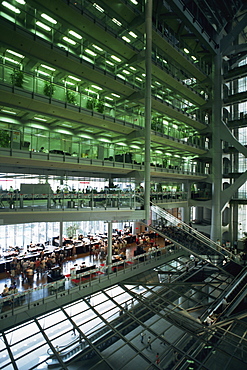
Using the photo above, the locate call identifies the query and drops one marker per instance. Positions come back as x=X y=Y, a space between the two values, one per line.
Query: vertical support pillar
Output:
x=109 y=244
x=216 y=225
x=186 y=210
x=148 y=80
x=60 y=233
x=234 y=223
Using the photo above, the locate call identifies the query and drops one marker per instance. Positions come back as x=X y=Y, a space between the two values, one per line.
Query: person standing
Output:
x=157 y=359
x=149 y=343
x=142 y=336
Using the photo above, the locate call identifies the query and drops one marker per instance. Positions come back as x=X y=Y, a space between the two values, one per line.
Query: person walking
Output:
x=142 y=336
x=157 y=359
x=149 y=343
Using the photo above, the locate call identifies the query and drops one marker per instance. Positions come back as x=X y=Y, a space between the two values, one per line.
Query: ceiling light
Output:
x=193 y=57
x=22 y=2
x=48 y=18
x=8 y=111
x=96 y=47
x=110 y=63
x=11 y=7
x=74 y=78
x=104 y=139
x=91 y=91
x=73 y=33
x=40 y=119
x=68 y=83
x=143 y=75
x=11 y=60
x=126 y=39
x=134 y=2
x=90 y=52
x=135 y=146
x=186 y=51
x=107 y=98
x=62 y=131
x=72 y=42
x=116 y=58
x=15 y=53
x=97 y=87
x=132 y=34
x=126 y=72
x=87 y=59
x=121 y=76
x=85 y=136
x=117 y=96
x=98 y=8
x=44 y=26
x=121 y=144
x=47 y=67
x=139 y=79
x=133 y=68
x=42 y=72
x=114 y=20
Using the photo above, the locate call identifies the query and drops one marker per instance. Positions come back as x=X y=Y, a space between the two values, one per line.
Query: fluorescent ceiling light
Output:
x=68 y=83
x=157 y=83
x=139 y=79
x=158 y=151
x=122 y=144
x=132 y=34
x=44 y=26
x=48 y=18
x=133 y=68
x=91 y=91
x=126 y=39
x=42 y=72
x=158 y=96
x=126 y=72
x=108 y=98
x=104 y=139
x=135 y=146
x=164 y=61
x=11 y=7
x=85 y=136
x=165 y=122
x=90 y=52
x=193 y=57
x=22 y=2
x=143 y=75
x=117 y=96
x=98 y=8
x=72 y=42
x=97 y=47
x=121 y=76
x=169 y=154
x=62 y=131
x=11 y=60
x=47 y=67
x=74 y=78
x=114 y=20
x=174 y=126
x=186 y=51
x=110 y=63
x=116 y=58
x=87 y=59
x=97 y=87
x=40 y=119
x=15 y=53
x=176 y=155
x=8 y=111
x=73 y=33
x=134 y=2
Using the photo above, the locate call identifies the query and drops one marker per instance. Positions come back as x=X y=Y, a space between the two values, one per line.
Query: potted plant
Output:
x=48 y=89
x=17 y=78
x=4 y=139
x=90 y=103
x=70 y=97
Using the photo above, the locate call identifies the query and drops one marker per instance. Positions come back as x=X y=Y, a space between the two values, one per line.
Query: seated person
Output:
x=5 y=291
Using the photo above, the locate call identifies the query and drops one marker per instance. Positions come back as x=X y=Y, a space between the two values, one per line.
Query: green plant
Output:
x=100 y=106
x=4 y=139
x=17 y=78
x=71 y=230
x=91 y=103
x=48 y=89
x=70 y=97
